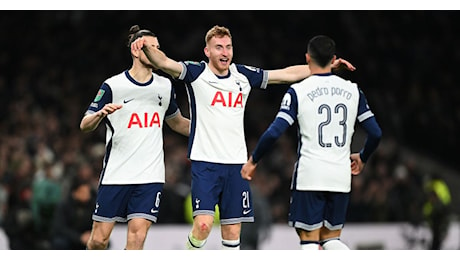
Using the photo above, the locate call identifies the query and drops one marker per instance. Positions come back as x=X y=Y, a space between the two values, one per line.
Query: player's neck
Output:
x=140 y=74
x=314 y=69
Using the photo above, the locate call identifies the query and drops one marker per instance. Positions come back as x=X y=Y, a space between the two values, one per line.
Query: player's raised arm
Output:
x=298 y=72
x=157 y=57
x=289 y=74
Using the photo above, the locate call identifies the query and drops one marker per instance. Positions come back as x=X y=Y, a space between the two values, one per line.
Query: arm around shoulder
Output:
x=289 y=74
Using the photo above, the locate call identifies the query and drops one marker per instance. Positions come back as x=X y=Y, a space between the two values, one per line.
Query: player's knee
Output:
x=204 y=227
x=137 y=237
x=97 y=244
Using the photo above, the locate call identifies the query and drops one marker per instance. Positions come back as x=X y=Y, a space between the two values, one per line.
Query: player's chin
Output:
x=224 y=65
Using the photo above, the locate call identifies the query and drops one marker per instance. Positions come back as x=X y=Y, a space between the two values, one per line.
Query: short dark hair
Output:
x=321 y=49
x=136 y=32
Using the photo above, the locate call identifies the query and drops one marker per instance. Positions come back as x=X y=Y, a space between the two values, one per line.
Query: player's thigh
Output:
x=206 y=187
x=336 y=210
x=236 y=202
x=306 y=209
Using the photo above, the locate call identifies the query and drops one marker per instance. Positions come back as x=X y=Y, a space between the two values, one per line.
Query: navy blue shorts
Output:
x=310 y=210
x=221 y=184
x=120 y=203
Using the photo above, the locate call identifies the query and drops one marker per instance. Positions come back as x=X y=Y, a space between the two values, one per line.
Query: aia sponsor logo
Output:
x=144 y=120
x=228 y=99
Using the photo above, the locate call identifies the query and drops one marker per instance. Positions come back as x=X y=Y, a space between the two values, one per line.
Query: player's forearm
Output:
x=91 y=121
x=162 y=62
x=290 y=74
x=374 y=134
x=180 y=125
x=184 y=127
x=269 y=137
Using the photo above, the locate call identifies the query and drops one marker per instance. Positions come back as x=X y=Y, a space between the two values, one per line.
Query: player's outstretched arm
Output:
x=289 y=74
x=91 y=121
x=296 y=73
x=157 y=57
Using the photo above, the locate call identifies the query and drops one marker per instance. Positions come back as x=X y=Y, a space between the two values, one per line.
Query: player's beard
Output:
x=216 y=63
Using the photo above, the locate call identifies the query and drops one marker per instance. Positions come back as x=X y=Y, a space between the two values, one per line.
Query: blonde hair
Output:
x=217 y=31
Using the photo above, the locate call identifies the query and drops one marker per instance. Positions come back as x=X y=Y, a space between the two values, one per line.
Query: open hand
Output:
x=340 y=64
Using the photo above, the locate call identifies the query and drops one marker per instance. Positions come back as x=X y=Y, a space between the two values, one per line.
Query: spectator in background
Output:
x=46 y=194
x=437 y=209
x=72 y=219
x=19 y=222
x=405 y=203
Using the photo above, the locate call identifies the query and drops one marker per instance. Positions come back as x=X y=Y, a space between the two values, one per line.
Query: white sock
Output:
x=334 y=244
x=230 y=244
x=193 y=243
x=309 y=246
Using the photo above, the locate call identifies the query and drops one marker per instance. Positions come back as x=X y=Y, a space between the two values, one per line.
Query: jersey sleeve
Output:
x=269 y=137
x=191 y=70
x=103 y=97
x=285 y=118
x=364 y=112
x=289 y=107
x=173 y=109
x=367 y=120
x=258 y=78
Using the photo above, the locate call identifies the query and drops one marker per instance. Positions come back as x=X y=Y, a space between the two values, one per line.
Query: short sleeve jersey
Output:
x=217 y=106
x=134 y=135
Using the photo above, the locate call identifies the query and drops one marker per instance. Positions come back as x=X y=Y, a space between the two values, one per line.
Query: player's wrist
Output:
x=100 y=115
x=252 y=161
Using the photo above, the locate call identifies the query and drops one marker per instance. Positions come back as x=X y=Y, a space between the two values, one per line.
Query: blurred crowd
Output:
x=53 y=62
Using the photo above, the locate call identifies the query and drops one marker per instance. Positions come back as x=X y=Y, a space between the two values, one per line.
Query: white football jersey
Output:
x=217 y=106
x=326 y=108
x=134 y=139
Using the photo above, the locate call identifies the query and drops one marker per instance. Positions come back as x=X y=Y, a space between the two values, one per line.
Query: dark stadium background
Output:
x=52 y=63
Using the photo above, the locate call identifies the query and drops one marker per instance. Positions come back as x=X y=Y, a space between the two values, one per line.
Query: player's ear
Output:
x=206 y=51
x=333 y=59
x=135 y=53
x=307 y=57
